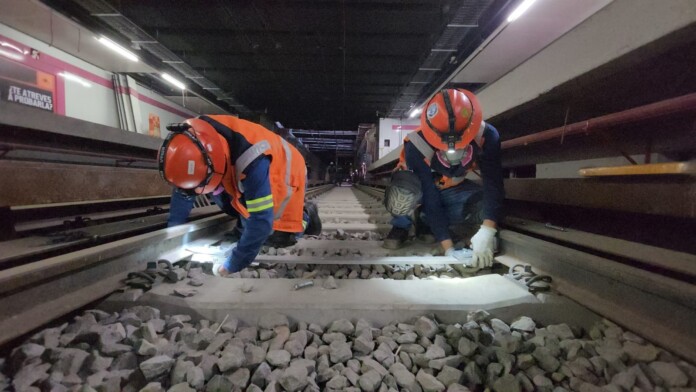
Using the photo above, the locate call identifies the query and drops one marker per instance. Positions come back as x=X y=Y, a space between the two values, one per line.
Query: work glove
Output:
x=483 y=244
x=462 y=255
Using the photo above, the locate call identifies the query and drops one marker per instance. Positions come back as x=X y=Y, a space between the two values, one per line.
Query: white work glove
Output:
x=483 y=243
x=462 y=255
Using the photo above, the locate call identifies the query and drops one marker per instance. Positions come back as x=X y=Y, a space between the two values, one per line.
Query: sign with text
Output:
x=23 y=85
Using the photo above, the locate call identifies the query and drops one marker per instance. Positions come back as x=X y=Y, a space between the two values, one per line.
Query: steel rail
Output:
x=654 y=306
x=34 y=294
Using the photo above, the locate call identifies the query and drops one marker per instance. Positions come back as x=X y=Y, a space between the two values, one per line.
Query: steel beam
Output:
x=674 y=197
x=27 y=183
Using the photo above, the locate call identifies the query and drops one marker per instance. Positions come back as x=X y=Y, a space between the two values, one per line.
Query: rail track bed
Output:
x=333 y=312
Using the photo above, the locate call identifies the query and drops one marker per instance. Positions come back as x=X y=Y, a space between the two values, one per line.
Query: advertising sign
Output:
x=26 y=86
x=154 y=122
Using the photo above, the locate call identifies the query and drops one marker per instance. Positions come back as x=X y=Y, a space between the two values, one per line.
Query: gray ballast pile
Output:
x=380 y=271
x=137 y=350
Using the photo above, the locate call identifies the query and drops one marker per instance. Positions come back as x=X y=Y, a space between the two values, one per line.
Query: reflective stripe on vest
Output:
x=288 y=192
x=479 y=136
x=421 y=145
x=247 y=157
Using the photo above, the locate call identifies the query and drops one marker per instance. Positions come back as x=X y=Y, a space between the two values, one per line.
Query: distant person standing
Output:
x=332 y=173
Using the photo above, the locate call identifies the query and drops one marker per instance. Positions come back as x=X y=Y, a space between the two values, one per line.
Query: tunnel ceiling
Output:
x=314 y=64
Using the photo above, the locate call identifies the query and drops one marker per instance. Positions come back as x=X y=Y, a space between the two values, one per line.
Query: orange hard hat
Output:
x=451 y=119
x=194 y=157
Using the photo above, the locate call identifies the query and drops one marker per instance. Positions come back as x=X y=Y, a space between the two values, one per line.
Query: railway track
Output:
x=431 y=324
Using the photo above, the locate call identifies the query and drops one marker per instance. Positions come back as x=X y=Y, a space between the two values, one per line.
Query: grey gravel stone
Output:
x=340 y=352
x=329 y=338
x=545 y=360
x=156 y=366
x=262 y=375
x=240 y=378
x=278 y=358
x=426 y=327
x=181 y=387
x=457 y=388
x=507 y=383
x=428 y=382
x=195 y=377
x=343 y=326
x=523 y=323
x=450 y=375
x=272 y=320
x=179 y=371
x=152 y=387
x=473 y=374
x=337 y=382
x=641 y=353
x=218 y=384
x=370 y=381
x=672 y=375
x=294 y=378
x=466 y=347
x=233 y=357
x=330 y=283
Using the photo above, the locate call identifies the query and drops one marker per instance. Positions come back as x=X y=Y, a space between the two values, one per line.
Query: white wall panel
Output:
x=394 y=130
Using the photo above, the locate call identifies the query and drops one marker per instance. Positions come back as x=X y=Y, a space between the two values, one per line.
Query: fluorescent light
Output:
x=415 y=112
x=520 y=10
x=118 y=49
x=173 y=81
x=11 y=55
x=16 y=49
x=75 y=78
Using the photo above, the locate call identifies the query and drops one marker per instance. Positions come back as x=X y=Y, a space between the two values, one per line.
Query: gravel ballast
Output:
x=141 y=350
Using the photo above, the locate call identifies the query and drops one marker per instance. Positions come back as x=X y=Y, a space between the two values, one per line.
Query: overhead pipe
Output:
x=678 y=105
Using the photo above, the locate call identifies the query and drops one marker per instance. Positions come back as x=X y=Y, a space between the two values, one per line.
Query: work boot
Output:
x=281 y=239
x=313 y=221
x=396 y=238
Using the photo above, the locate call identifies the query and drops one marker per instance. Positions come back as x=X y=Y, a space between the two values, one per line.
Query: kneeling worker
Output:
x=251 y=172
x=452 y=139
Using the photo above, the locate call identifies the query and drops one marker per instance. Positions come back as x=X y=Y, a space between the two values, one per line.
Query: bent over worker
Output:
x=452 y=140
x=251 y=172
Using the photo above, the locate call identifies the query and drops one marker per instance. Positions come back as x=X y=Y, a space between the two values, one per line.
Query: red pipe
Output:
x=685 y=103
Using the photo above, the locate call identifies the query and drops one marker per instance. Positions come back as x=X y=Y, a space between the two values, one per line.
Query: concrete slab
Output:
x=357 y=260
x=355 y=227
x=379 y=301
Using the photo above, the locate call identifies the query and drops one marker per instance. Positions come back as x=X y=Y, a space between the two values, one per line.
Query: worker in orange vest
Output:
x=452 y=140
x=244 y=166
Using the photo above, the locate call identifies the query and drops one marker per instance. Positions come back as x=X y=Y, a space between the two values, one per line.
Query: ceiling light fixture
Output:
x=415 y=112
x=173 y=81
x=520 y=10
x=118 y=49
x=74 y=78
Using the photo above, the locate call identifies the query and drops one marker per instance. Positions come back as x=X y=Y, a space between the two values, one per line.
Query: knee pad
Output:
x=403 y=193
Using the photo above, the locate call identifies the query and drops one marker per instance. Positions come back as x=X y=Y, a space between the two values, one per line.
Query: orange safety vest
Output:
x=287 y=172
x=428 y=152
